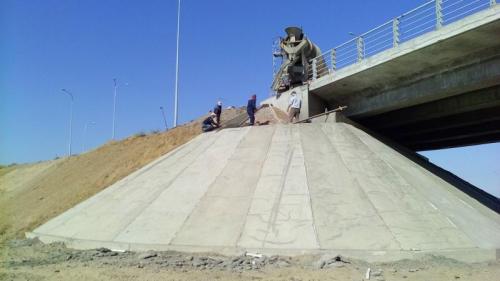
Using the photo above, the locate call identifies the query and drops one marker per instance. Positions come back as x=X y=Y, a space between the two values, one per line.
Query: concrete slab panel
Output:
x=287 y=214
x=390 y=196
x=219 y=218
x=468 y=214
x=123 y=186
x=177 y=202
x=265 y=198
x=331 y=182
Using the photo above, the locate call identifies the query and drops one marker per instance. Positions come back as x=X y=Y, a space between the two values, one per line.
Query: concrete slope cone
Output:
x=283 y=189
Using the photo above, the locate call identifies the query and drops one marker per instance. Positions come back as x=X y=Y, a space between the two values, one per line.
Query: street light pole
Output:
x=115 y=81
x=177 y=65
x=164 y=118
x=114 y=109
x=85 y=133
x=70 y=120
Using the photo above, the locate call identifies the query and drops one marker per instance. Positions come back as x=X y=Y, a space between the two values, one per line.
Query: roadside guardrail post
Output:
x=361 y=48
x=431 y=16
x=439 y=14
x=333 y=57
x=315 y=68
x=395 y=32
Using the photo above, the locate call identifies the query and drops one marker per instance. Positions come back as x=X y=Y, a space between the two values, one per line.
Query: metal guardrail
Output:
x=428 y=17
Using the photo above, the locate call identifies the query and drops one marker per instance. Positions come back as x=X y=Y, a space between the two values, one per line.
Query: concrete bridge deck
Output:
x=293 y=189
x=438 y=90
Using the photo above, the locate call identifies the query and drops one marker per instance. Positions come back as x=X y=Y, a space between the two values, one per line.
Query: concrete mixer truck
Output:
x=296 y=52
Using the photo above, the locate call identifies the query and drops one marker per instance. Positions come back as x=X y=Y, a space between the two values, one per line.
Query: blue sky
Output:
x=225 y=53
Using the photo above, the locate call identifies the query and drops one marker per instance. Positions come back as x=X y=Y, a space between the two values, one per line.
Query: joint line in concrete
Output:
x=254 y=188
x=276 y=205
x=309 y=193
x=361 y=187
x=204 y=195
x=159 y=192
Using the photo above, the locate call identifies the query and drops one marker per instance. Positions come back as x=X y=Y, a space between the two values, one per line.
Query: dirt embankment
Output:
x=34 y=193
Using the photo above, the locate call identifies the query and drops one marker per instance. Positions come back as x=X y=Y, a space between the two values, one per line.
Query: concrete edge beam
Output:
x=450 y=83
x=468 y=255
x=472 y=101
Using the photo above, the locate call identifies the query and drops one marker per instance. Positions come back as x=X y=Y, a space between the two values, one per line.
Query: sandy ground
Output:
x=270 y=115
x=32 y=260
x=31 y=194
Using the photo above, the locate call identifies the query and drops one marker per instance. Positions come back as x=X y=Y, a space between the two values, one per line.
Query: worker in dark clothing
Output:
x=209 y=123
x=218 y=112
x=252 y=108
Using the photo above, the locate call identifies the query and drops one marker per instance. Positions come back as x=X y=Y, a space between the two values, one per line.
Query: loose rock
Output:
x=377 y=273
x=147 y=255
x=412 y=270
x=283 y=263
x=329 y=261
x=199 y=262
x=103 y=250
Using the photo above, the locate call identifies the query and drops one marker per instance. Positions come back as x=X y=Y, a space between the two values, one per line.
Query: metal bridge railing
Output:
x=429 y=16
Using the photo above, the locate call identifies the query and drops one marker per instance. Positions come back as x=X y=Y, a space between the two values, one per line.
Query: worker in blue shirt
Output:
x=252 y=108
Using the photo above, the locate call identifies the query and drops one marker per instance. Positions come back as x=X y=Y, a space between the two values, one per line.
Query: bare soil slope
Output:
x=34 y=193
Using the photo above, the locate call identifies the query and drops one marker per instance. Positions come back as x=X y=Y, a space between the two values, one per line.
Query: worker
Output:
x=294 y=107
x=209 y=123
x=218 y=112
x=252 y=108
